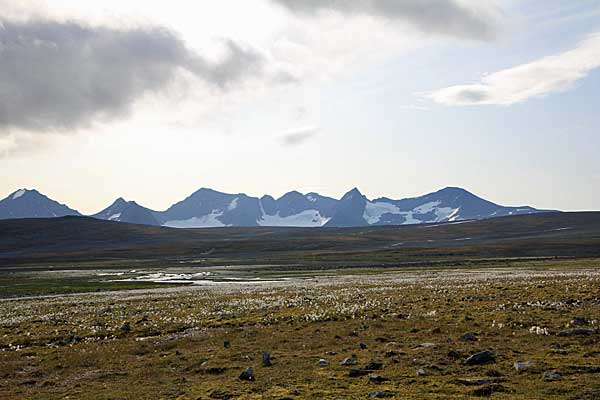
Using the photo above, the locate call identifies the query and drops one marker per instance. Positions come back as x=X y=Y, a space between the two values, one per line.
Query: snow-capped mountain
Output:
x=446 y=205
x=26 y=203
x=127 y=211
x=209 y=208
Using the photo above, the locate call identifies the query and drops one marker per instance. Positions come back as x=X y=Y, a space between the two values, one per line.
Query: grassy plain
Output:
x=169 y=343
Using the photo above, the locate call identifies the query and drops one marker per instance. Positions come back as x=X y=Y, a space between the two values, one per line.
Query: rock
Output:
x=455 y=355
x=487 y=390
x=226 y=344
x=551 y=376
x=424 y=346
x=323 y=362
x=377 y=379
x=577 y=332
x=379 y=394
x=125 y=328
x=521 y=366
x=356 y=372
x=363 y=346
x=483 y=357
x=349 y=361
x=374 y=365
x=579 y=321
x=474 y=381
x=247 y=375
x=391 y=353
x=469 y=337
x=436 y=330
x=266 y=359
x=421 y=372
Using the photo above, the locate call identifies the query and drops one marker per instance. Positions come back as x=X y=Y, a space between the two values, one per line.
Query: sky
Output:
x=152 y=100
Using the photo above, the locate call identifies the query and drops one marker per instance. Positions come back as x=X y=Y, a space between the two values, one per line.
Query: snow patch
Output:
x=312 y=199
x=18 y=193
x=374 y=211
x=114 y=217
x=206 y=221
x=233 y=205
x=307 y=218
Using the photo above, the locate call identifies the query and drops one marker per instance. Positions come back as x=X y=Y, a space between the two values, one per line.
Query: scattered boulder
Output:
x=551 y=376
x=577 y=332
x=356 y=372
x=424 y=346
x=455 y=355
x=580 y=321
x=323 y=362
x=469 y=337
x=474 y=381
x=374 y=365
x=487 y=390
x=349 y=361
x=421 y=372
x=377 y=379
x=125 y=328
x=247 y=375
x=521 y=366
x=380 y=394
x=483 y=357
x=266 y=359
x=363 y=346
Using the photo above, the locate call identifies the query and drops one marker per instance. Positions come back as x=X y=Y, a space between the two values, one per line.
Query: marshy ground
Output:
x=404 y=335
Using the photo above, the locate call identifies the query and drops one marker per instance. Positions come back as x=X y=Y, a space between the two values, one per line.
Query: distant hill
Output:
x=209 y=208
x=85 y=239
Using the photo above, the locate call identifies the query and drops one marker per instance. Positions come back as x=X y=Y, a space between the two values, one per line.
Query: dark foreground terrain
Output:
x=434 y=334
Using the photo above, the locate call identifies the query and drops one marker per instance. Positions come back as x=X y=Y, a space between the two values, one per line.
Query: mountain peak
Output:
x=352 y=193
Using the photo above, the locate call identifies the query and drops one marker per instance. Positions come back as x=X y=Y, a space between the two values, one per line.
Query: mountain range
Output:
x=209 y=208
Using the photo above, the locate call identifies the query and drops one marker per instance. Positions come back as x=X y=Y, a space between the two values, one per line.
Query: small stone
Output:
x=377 y=379
x=379 y=394
x=521 y=366
x=349 y=361
x=424 y=346
x=247 y=374
x=579 y=321
x=551 y=376
x=391 y=353
x=356 y=372
x=323 y=362
x=363 y=346
x=226 y=344
x=577 y=332
x=374 y=365
x=421 y=372
x=483 y=357
x=436 y=330
x=266 y=359
x=469 y=337
x=125 y=328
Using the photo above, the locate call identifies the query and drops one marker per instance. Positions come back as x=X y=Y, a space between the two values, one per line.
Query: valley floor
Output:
x=410 y=333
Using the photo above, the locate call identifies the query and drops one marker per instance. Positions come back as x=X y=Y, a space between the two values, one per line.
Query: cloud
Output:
x=298 y=136
x=459 y=18
x=556 y=73
x=58 y=76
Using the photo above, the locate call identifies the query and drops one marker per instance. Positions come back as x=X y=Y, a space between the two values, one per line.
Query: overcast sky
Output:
x=151 y=100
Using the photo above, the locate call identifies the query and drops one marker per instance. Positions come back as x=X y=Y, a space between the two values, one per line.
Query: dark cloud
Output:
x=66 y=75
x=298 y=136
x=476 y=20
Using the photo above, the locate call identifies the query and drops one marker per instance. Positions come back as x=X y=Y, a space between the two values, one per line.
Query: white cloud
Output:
x=298 y=136
x=556 y=73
